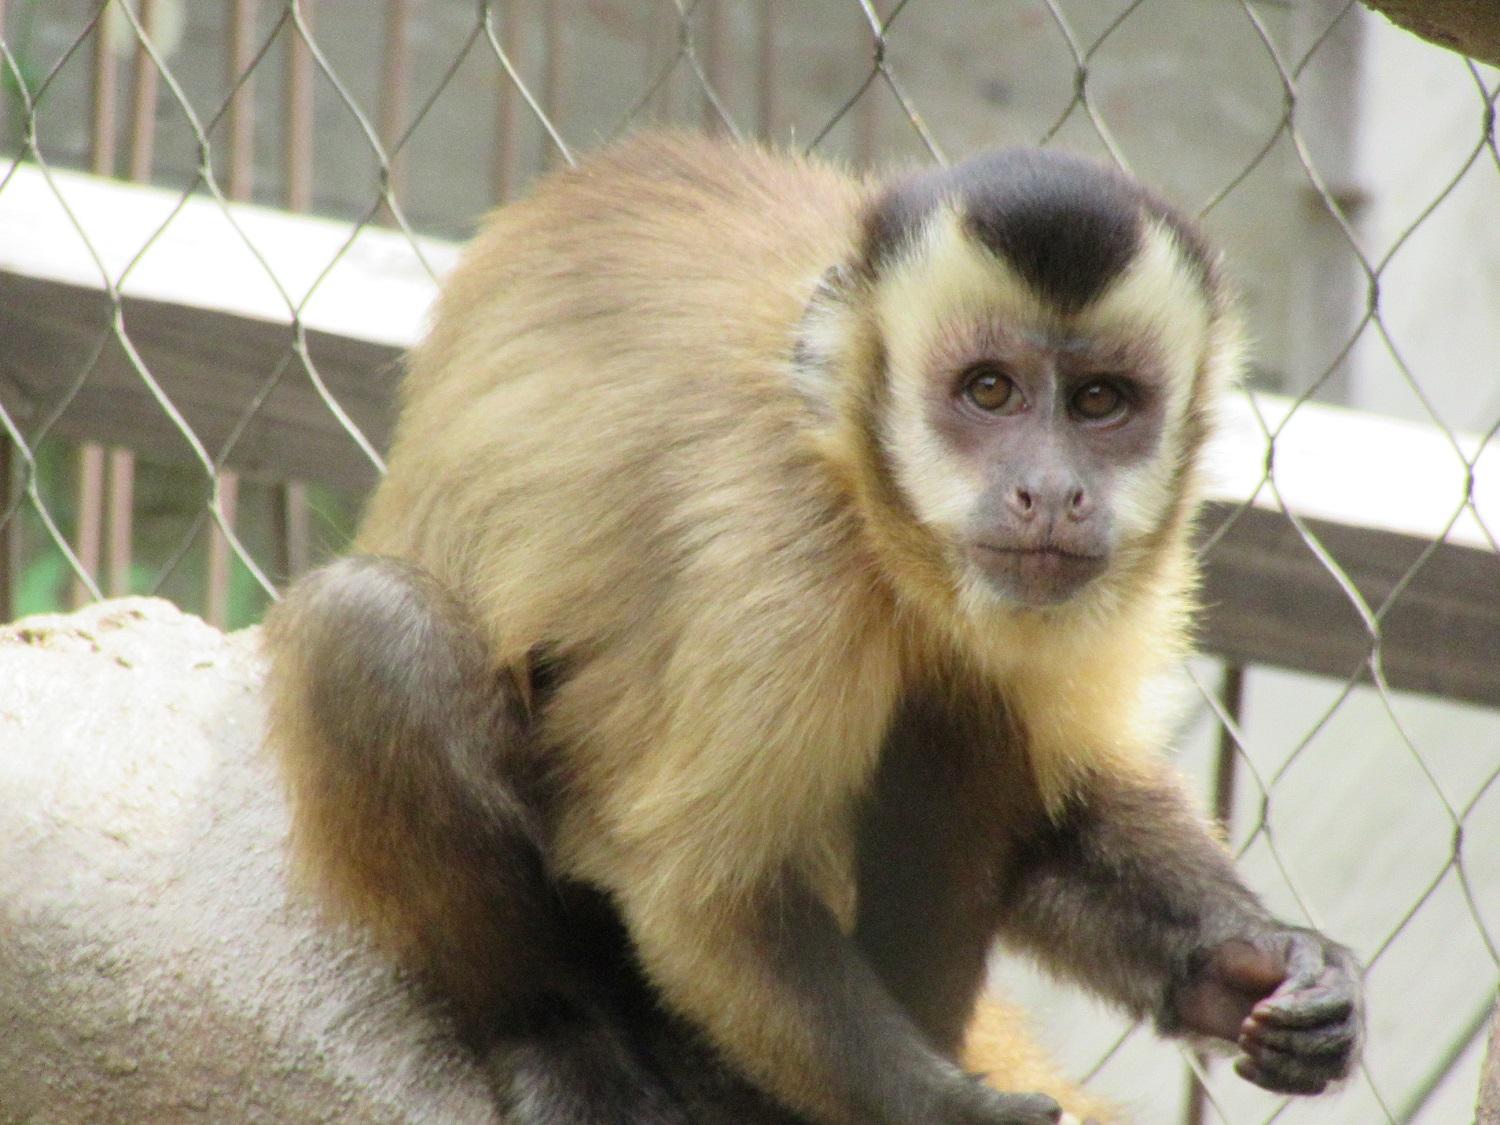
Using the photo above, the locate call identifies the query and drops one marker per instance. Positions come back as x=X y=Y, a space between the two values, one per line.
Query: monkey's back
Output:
x=628 y=323
x=600 y=448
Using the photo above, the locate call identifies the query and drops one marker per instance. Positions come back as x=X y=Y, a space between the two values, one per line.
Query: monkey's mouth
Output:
x=1041 y=574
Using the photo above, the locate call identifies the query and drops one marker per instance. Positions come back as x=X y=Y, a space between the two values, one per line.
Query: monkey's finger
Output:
x=1329 y=1040
x=1311 y=1007
x=1311 y=1065
x=1282 y=1079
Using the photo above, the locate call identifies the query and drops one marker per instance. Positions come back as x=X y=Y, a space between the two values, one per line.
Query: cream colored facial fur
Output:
x=947 y=279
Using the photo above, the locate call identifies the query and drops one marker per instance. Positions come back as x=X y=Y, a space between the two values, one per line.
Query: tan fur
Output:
x=536 y=475
x=998 y=1047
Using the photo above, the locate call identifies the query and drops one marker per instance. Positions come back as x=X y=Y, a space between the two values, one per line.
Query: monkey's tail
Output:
x=402 y=749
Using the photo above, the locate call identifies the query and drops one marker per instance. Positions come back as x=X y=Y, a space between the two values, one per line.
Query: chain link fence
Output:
x=197 y=365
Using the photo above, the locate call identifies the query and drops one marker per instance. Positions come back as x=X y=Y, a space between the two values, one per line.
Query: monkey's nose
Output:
x=1080 y=505
x=1070 y=500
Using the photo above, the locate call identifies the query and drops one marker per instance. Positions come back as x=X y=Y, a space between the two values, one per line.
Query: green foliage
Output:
x=44 y=585
x=21 y=28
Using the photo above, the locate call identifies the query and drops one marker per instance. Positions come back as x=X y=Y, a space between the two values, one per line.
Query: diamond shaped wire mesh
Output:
x=1353 y=804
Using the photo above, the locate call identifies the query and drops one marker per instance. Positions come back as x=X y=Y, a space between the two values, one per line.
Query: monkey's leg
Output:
x=579 y=1069
x=784 y=993
x=406 y=755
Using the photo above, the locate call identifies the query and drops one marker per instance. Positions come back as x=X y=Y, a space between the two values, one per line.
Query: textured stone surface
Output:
x=155 y=964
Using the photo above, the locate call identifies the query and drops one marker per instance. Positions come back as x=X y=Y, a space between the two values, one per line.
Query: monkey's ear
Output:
x=823 y=338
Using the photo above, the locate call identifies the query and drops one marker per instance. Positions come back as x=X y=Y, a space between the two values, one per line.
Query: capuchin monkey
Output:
x=754 y=626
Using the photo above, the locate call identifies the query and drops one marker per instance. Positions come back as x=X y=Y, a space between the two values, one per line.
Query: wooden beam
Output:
x=210 y=365
x=1488 y=1111
x=214 y=298
x=1305 y=497
x=1270 y=599
x=1370 y=495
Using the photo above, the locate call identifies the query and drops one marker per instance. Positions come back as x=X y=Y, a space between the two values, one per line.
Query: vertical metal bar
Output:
x=102 y=156
x=145 y=82
x=552 y=66
x=867 y=113
x=145 y=86
x=291 y=497
x=241 y=185
x=10 y=529
x=661 y=48
x=242 y=106
x=393 y=90
x=710 y=16
x=503 y=153
x=90 y=517
x=103 y=101
x=120 y=523
x=219 y=554
x=293 y=530
x=298 y=128
x=5 y=106
x=1226 y=766
x=1226 y=759
x=1326 y=282
x=1488 y=1110
x=765 y=68
x=10 y=570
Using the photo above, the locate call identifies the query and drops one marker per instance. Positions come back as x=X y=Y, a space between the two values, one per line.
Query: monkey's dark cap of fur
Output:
x=1068 y=226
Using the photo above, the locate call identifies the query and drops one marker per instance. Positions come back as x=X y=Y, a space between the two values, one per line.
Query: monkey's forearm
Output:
x=1127 y=893
x=785 y=995
x=1134 y=896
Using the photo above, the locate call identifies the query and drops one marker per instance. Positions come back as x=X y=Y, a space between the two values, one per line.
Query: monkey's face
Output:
x=1040 y=444
x=1044 y=428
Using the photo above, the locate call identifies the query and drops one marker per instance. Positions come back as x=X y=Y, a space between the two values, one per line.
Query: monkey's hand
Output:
x=1291 y=1000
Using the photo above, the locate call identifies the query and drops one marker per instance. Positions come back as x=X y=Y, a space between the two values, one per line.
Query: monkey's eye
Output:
x=990 y=389
x=1099 y=401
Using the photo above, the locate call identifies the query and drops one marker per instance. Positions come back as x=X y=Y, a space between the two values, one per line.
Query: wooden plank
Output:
x=1488 y=1112
x=255 y=262
x=1353 y=467
x=212 y=298
x=1373 y=494
x=1269 y=599
x=210 y=365
x=212 y=329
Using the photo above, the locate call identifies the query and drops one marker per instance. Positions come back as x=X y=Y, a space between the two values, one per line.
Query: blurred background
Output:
x=221 y=223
